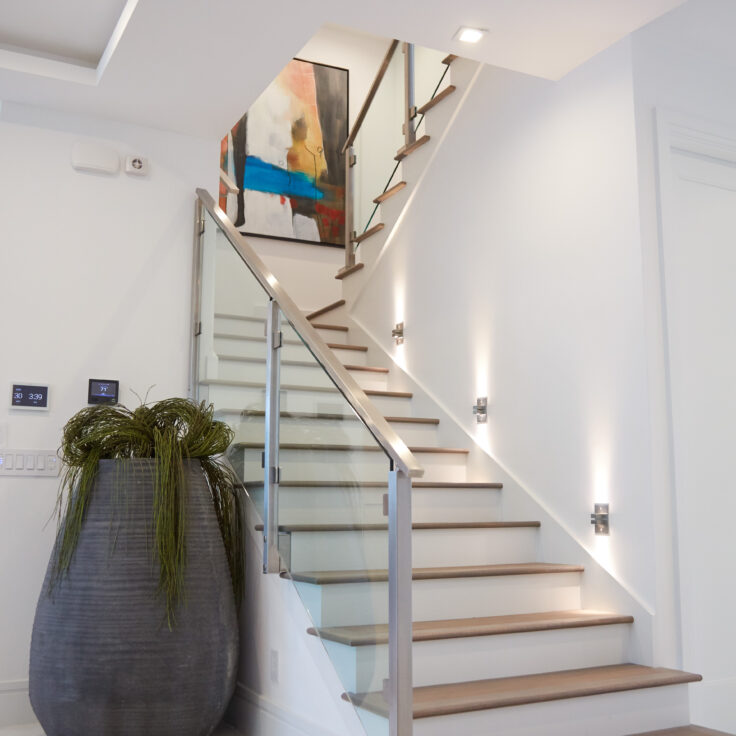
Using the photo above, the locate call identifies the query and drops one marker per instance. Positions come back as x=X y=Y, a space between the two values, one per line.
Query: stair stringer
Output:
x=600 y=588
x=438 y=122
x=306 y=699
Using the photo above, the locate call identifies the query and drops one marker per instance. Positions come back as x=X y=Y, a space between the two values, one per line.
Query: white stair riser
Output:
x=359 y=550
x=356 y=466
x=289 y=351
x=367 y=603
x=335 y=431
x=253 y=397
x=307 y=375
x=442 y=661
x=365 y=505
x=614 y=714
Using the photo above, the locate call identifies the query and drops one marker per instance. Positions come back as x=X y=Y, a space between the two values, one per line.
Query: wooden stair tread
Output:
x=378 y=484
x=463 y=697
x=395 y=189
x=349 y=448
x=684 y=731
x=412 y=420
x=343 y=272
x=357 y=636
x=240 y=317
x=417 y=526
x=345 y=346
x=324 y=310
x=253 y=338
x=449 y=59
x=302 y=363
x=368 y=233
x=446 y=92
x=320 y=415
x=324 y=326
x=403 y=152
x=332 y=577
x=297 y=387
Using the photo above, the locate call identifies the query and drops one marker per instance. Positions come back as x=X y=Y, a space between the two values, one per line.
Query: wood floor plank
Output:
x=334 y=577
x=469 y=627
x=464 y=697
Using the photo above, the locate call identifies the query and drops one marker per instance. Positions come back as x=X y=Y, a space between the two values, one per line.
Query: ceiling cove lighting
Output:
x=466 y=34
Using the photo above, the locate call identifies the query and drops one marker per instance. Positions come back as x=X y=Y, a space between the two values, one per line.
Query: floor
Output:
x=34 y=729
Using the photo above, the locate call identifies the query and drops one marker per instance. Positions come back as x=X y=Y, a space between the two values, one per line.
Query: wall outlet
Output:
x=274 y=666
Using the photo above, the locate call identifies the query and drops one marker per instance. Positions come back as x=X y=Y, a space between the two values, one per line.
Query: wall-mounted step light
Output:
x=398 y=333
x=600 y=518
x=480 y=409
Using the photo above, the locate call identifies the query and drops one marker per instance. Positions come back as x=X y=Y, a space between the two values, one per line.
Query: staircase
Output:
x=495 y=628
x=501 y=641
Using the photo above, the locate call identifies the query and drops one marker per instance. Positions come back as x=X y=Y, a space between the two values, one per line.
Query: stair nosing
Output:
x=648 y=677
x=325 y=446
x=338 y=577
x=345 y=272
x=302 y=363
x=319 y=415
x=419 y=526
x=371 y=635
x=395 y=189
x=368 y=233
x=446 y=92
x=324 y=310
x=424 y=485
x=449 y=59
x=405 y=151
x=296 y=387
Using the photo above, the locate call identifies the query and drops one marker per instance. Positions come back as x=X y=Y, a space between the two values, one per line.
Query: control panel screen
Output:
x=34 y=397
x=102 y=392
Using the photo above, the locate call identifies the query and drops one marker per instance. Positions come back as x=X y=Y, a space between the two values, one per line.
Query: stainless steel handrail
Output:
x=377 y=425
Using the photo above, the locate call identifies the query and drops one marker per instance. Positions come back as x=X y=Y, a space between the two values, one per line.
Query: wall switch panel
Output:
x=29 y=463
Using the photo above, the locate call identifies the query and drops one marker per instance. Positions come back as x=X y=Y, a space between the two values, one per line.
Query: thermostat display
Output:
x=27 y=396
x=102 y=392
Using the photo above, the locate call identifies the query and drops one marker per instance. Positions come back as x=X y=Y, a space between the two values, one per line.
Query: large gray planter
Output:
x=103 y=660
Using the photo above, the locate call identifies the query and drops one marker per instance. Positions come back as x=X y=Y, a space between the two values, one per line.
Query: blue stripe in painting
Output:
x=261 y=176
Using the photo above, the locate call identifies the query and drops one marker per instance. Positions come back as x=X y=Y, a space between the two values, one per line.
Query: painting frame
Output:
x=320 y=194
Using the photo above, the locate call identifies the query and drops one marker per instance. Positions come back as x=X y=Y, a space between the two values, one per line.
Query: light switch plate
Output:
x=29 y=463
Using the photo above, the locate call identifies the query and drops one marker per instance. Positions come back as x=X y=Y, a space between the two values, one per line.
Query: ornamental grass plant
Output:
x=168 y=432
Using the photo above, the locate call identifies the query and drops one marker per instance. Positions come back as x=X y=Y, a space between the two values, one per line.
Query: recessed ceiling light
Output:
x=470 y=35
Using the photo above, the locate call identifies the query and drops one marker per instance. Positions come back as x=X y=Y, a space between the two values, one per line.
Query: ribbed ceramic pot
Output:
x=103 y=660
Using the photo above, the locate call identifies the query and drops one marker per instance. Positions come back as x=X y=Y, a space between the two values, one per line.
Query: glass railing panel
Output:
x=232 y=347
x=333 y=474
x=378 y=140
x=334 y=535
x=431 y=76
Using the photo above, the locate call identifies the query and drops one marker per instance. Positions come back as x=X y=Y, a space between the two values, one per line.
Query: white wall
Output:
x=94 y=282
x=683 y=69
x=517 y=272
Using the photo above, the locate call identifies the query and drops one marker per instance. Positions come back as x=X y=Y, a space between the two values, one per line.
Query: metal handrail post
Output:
x=410 y=110
x=399 y=602
x=349 y=207
x=196 y=313
x=271 y=472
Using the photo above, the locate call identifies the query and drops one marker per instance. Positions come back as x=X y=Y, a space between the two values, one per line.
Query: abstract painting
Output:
x=284 y=155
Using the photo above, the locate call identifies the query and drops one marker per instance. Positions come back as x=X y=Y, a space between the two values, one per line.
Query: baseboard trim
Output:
x=13 y=686
x=279 y=715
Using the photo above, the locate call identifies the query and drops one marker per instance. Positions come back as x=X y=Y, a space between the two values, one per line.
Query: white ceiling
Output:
x=192 y=66
x=75 y=30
